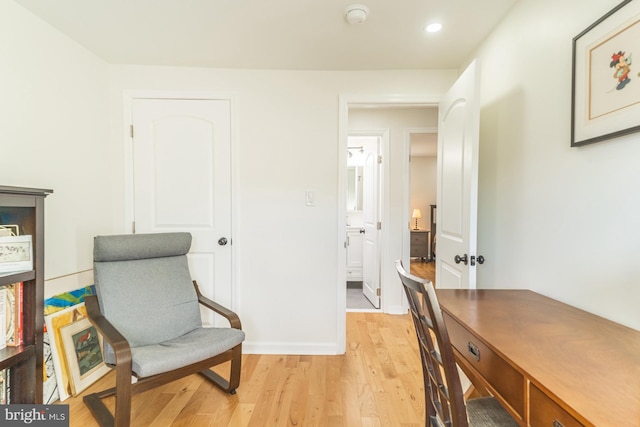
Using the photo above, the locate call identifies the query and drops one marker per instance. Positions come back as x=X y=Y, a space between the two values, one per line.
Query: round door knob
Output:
x=222 y=241
x=480 y=259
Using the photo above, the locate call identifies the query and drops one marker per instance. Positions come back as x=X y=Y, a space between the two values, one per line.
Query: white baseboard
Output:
x=252 y=347
x=395 y=309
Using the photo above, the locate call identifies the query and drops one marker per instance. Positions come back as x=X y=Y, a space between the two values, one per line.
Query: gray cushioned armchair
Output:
x=148 y=311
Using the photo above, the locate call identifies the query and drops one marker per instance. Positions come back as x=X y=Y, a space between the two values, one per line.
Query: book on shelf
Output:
x=4 y=387
x=3 y=318
x=14 y=296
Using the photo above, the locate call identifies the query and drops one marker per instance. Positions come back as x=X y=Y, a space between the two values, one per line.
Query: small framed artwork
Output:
x=54 y=323
x=83 y=350
x=606 y=82
x=15 y=253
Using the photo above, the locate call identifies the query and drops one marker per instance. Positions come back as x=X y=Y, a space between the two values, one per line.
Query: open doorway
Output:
x=423 y=149
x=394 y=114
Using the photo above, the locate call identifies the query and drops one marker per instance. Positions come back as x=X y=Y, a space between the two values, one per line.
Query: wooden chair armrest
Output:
x=231 y=316
x=109 y=332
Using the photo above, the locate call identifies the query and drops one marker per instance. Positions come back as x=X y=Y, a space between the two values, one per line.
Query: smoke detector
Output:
x=356 y=14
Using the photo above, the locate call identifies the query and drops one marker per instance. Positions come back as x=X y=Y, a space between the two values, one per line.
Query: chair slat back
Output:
x=443 y=391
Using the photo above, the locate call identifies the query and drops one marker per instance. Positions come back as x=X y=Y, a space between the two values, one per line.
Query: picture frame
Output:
x=54 y=323
x=83 y=351
x=605 y=90
x=67 y=299
x=16 y=253
x=52 y=356
x=50 y=384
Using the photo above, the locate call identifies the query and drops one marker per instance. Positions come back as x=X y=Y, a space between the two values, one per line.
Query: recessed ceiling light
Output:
x=433 y=28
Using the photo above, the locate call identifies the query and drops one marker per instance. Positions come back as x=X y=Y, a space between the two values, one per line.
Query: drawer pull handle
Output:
x=475 y=351
x=557 y=423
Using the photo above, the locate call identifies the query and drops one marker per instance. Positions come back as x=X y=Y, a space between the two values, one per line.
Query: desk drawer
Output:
x=544 y=412
x=508 y=382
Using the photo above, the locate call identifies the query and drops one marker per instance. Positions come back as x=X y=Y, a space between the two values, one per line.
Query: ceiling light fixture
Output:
x=433 y=28
x=356 y=14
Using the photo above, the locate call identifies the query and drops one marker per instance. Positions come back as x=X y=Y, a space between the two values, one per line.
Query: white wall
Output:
x=424 y=176
x=562 y=221
x=54 y=134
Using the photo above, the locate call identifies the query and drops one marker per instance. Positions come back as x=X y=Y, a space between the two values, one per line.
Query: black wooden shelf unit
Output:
x=24 y=207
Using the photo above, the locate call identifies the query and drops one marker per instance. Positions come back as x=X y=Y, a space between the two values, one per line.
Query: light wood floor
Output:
x=378 y=382
x=426 y=270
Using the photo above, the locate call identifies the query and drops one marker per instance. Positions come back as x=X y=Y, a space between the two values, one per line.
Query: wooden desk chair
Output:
x=444 y=399
x=148 y=310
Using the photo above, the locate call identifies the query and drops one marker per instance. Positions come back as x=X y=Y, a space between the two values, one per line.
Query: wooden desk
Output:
x=552 y=364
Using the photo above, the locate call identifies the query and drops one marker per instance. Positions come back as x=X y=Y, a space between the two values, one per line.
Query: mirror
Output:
x=354 y=188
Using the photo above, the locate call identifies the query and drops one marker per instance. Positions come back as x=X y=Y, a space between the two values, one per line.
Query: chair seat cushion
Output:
x=197 y=345
x=487 y=411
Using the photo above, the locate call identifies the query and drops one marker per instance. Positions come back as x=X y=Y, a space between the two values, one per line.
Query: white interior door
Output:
x=182 y=182
x=371 y=219
x=458 y=129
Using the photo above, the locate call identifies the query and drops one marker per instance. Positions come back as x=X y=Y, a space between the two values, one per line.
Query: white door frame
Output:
x=127 y=108
x=345 y=101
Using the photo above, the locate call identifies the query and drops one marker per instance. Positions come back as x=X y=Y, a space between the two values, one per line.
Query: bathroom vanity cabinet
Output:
x=355 y=241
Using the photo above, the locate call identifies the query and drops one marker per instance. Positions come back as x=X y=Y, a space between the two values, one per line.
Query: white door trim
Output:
x=127 y=108
x=344 y=102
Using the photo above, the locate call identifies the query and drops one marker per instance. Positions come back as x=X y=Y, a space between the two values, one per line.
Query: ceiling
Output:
x=275 y=34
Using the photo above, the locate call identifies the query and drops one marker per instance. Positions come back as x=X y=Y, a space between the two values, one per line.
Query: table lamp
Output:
x=416 y=214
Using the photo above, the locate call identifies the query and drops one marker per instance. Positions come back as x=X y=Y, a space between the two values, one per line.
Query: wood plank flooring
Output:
x=426 y=270
x=378 y=382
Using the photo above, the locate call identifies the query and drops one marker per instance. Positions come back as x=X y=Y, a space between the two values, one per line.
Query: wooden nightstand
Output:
x=420 y=244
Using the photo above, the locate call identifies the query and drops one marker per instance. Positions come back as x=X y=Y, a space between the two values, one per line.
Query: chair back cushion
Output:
x=144 y=286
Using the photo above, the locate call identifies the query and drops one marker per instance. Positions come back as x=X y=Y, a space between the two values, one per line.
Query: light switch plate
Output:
x=309 y=198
